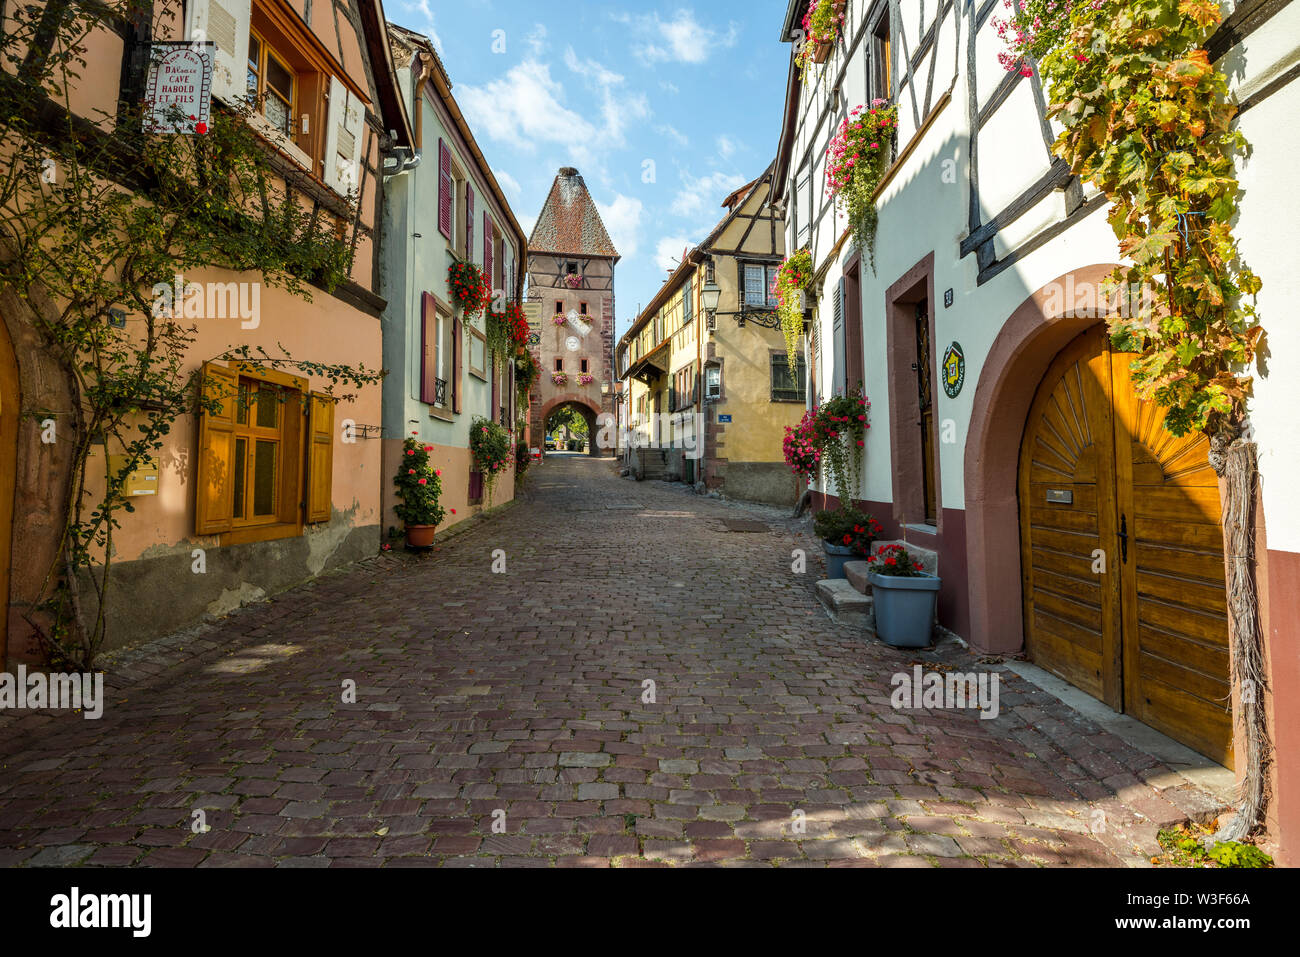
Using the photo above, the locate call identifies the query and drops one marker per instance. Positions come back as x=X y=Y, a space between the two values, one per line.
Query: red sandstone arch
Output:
x=583 y=404
x=1028 y=342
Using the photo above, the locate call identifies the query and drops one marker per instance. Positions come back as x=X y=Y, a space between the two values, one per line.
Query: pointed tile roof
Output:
x=570 y=223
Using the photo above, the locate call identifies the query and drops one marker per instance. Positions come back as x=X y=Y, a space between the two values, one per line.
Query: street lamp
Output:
x=710 y=296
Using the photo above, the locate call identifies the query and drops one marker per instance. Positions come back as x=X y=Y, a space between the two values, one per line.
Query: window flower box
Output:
x=560 y=378
x=586 y=379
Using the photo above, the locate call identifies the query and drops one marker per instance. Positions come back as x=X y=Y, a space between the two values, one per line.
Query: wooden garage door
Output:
x=1122 y=551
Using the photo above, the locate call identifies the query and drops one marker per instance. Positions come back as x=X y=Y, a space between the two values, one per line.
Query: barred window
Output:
x=785 y=386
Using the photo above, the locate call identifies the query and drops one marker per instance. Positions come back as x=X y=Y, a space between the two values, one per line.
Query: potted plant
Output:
x=560 y=378
x=585 y=379
x=845 y=533
x=419 y=486
x=490 y=447
x=904 y=595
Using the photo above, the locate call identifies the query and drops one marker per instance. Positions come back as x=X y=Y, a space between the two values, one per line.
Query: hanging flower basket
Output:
x=856 y=161
x=573 y=281
x=791 y=281
x=470 y=288
x=822 y=22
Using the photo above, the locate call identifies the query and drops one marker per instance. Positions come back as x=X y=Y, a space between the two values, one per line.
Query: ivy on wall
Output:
x=99 y=224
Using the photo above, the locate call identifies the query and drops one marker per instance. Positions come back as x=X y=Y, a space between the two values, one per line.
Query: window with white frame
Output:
x=760 y=286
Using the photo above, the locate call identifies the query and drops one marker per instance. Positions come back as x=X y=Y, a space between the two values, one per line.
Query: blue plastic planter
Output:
x=904 y=608
x=836 y=558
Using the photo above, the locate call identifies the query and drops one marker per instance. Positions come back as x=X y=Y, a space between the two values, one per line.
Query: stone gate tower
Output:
x=571 y=277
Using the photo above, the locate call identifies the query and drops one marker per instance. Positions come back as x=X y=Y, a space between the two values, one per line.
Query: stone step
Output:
x=846 y=604
x=856 y=575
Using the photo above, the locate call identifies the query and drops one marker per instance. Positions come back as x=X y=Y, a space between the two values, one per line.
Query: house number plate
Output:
x=1058 y=496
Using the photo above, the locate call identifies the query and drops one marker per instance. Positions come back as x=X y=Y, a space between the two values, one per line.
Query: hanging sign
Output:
x=178 y=97
x=954 y=370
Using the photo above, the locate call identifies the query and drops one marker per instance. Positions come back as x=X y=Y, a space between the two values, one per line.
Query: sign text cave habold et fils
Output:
x=179 y=94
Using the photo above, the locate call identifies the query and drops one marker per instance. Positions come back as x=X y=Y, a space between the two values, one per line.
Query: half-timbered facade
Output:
x=571 y=262
x=273 y=482
x=721 y=374
x=1006 y=437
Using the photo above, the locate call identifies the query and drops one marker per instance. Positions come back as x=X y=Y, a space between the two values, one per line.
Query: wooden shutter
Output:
x=469 y=222
x=444 y=189
x=344 y=136
x=214 y=498
x=225 y=23
x=487 y=250
x=428 y=350
x=837 y=339
x=456 y=352
x=320 y=458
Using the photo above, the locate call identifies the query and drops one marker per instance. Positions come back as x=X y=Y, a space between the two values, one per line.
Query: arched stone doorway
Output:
x=589 y=414
x=1029 y=342
x=10 y=404
x=1158 y=631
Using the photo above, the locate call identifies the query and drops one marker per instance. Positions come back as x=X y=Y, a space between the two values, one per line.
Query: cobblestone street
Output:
x=517 y=699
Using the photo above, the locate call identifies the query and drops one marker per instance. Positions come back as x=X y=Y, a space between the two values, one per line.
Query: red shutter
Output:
x=428 y=347
x=469 y=222
x=444 y=189
x=495 y=413
x=487 y=249
x=514 y=395
x=456 y=351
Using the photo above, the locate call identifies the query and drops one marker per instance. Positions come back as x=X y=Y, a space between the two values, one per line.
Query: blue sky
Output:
x=611 y=88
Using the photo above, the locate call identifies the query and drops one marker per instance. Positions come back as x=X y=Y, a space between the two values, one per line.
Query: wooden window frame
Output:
x=296 y=443
x=477 y=338
x=267 y=50
x=801 y=382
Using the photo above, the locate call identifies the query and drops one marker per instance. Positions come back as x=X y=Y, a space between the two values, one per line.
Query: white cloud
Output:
x=622 y=220
x=537 y=39
x=668 y=252
x=618 y=107
x=426 y=11
x=727 y=146
x=671 y=132
x=524 y=107
x=705 y=194
x=680 y=39
x=508 y=182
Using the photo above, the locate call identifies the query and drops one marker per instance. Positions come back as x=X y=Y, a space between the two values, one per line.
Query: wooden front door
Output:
x=1122 y=551
x=9 y=407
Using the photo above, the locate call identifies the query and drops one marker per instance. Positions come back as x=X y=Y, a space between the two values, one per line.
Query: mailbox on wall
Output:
x=142 y=481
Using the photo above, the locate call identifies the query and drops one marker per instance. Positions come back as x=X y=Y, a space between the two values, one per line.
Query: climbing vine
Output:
x=1148 y=120
x=99 y=225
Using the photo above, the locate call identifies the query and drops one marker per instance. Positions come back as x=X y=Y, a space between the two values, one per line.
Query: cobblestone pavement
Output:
x=517 y=699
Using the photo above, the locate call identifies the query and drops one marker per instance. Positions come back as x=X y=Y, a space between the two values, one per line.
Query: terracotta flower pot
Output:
x=420 y=536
